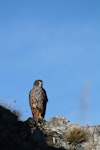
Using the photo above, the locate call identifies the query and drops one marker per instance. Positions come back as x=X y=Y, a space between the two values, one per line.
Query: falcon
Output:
x=38 y=100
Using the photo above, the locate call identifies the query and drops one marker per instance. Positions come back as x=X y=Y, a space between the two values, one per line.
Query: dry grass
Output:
x=9 y=108
x=76 y=134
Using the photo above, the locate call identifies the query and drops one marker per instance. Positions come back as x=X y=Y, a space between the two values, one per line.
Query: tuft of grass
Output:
x=17 y=113
x=76 y=134
x=8 y=108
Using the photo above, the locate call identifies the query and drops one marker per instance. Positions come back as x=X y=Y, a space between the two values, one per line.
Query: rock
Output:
x=58 y=124
x=56 y=134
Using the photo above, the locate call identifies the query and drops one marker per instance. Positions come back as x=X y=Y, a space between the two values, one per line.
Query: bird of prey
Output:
x=38 y=100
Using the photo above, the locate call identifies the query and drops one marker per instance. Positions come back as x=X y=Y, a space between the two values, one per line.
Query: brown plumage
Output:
x=38 y=100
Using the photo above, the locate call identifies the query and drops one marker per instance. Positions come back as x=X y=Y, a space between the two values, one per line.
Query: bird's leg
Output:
x=40 y=116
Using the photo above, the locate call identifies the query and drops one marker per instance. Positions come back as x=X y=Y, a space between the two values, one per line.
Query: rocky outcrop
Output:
x=56 y=134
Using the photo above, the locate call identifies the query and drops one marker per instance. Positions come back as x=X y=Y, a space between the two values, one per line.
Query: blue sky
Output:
x=58 y=42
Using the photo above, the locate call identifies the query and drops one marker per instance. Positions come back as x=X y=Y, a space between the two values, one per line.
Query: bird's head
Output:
x=38 y=83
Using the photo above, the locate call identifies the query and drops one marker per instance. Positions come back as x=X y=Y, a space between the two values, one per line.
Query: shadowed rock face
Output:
x=56 y=134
